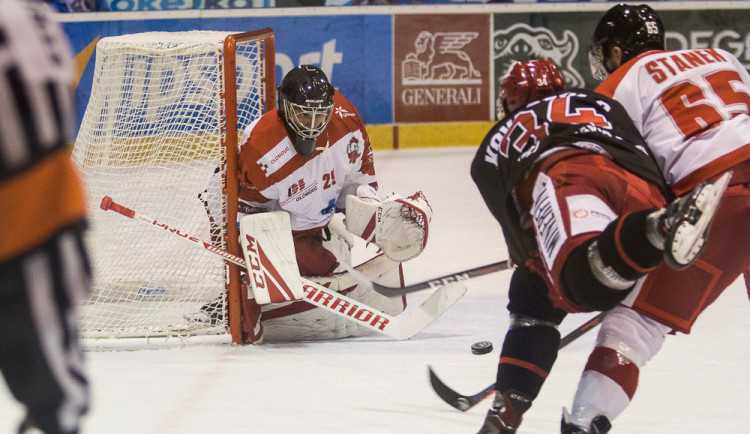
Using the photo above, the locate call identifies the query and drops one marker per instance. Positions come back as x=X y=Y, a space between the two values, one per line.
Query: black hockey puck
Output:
x=483 y=347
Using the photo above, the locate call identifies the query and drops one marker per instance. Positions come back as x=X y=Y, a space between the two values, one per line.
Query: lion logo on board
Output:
x=440 y=58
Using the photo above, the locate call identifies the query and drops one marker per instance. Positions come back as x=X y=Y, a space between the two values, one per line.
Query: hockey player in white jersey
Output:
x=311 y=157
x=693 y=109
x=584 y=211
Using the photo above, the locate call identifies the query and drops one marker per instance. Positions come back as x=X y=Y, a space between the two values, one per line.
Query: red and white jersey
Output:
x=692 y=108
x=273 y=176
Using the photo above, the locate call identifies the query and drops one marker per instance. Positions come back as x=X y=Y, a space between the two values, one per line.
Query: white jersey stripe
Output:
x=48 y=323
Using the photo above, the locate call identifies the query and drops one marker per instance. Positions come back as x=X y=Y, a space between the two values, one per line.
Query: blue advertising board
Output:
x=334 y=43
x=410 y=65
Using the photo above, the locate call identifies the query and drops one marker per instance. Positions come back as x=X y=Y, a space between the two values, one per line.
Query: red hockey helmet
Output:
x=526 y=82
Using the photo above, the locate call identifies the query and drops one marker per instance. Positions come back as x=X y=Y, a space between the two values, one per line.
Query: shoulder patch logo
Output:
x=352 y=150
x=277 y=157
x=342 y=113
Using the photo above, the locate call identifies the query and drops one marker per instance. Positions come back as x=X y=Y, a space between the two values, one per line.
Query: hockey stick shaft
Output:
x=443 y=280
x=465 y=402
x=399 y=327
x=582 y=329
x=109 y=205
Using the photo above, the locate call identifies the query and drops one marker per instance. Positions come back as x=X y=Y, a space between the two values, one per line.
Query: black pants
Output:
x=528 y=297
x=40 y=353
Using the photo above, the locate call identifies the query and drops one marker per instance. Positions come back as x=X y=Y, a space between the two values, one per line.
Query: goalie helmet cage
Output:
x=160 y=134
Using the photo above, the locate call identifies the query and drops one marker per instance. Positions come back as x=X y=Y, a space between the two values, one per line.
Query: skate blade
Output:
x=692 y=237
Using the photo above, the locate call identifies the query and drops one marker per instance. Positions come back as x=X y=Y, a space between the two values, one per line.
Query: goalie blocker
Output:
x=399 y=226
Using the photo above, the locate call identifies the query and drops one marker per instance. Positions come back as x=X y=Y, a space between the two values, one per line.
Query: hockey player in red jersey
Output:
x=311 y=157
x=692 y=108
x=582 y=206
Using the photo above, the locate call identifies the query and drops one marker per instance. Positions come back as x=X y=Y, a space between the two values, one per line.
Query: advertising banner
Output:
x=334 y=43
x=565 y=38
x=441 y=64
x=411 y=67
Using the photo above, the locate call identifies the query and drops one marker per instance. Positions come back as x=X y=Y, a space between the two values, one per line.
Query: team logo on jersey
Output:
x=275 y=159
x=352 y=150
x=295 y=188
x=330 y=208
x=521 y=42
x=588 y=213
x=298 y=191
x=342 y=113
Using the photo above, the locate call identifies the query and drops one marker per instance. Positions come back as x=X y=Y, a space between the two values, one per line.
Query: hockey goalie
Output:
x=307 y=188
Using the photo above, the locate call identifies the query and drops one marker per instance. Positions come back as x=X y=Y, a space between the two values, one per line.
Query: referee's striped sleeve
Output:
x=40 y=190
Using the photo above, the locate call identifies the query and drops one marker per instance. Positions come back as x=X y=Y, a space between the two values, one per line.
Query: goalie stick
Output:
x=400 y=327
x=465 y=402
x=391 y=291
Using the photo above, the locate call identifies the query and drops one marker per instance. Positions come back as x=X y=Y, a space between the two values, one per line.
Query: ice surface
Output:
x=697 y=384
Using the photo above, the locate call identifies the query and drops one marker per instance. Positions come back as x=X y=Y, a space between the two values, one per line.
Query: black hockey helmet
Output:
x=305 y=105
x=633 y=28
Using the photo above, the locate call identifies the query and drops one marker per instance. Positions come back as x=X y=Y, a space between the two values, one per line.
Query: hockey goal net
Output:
x=159 y=135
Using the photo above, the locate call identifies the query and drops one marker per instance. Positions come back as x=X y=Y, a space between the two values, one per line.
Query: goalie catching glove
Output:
x=399 y=226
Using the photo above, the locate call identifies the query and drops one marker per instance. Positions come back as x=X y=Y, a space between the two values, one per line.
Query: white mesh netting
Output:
x=151 y=139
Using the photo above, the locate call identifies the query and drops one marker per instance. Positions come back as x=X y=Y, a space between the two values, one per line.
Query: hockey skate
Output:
x=599 y=425
x=505 y=418
x=209 y=314
x=684 y=224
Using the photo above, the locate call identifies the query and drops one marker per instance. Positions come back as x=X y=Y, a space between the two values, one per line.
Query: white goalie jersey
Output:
x=339 y=175
x=274 y=176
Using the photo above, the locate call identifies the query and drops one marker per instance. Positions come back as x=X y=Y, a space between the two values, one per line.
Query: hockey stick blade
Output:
x=391 y=291
x=455 y=399
x=465 y=402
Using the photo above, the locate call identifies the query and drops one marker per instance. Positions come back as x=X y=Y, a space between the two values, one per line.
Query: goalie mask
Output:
x=305 y=106
x=528 y=81
x=633 y=28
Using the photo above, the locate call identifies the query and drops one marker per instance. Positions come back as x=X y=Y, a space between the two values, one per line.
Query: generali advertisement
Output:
x=404 y=68
x=441 y=67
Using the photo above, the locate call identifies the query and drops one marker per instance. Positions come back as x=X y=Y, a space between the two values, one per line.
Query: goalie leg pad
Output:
x=268 y=247
x=301 y=321
x=399 y=226
x=252 y=328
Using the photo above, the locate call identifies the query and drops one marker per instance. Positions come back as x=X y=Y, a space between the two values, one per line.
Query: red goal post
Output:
x=268 y=81
x=160 y=133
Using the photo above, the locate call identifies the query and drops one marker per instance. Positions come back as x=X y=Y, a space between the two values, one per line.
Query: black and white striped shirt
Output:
x=40 y=190
x=35 y=86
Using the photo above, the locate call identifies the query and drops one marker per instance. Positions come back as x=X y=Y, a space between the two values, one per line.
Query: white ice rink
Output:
x=699 y=383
